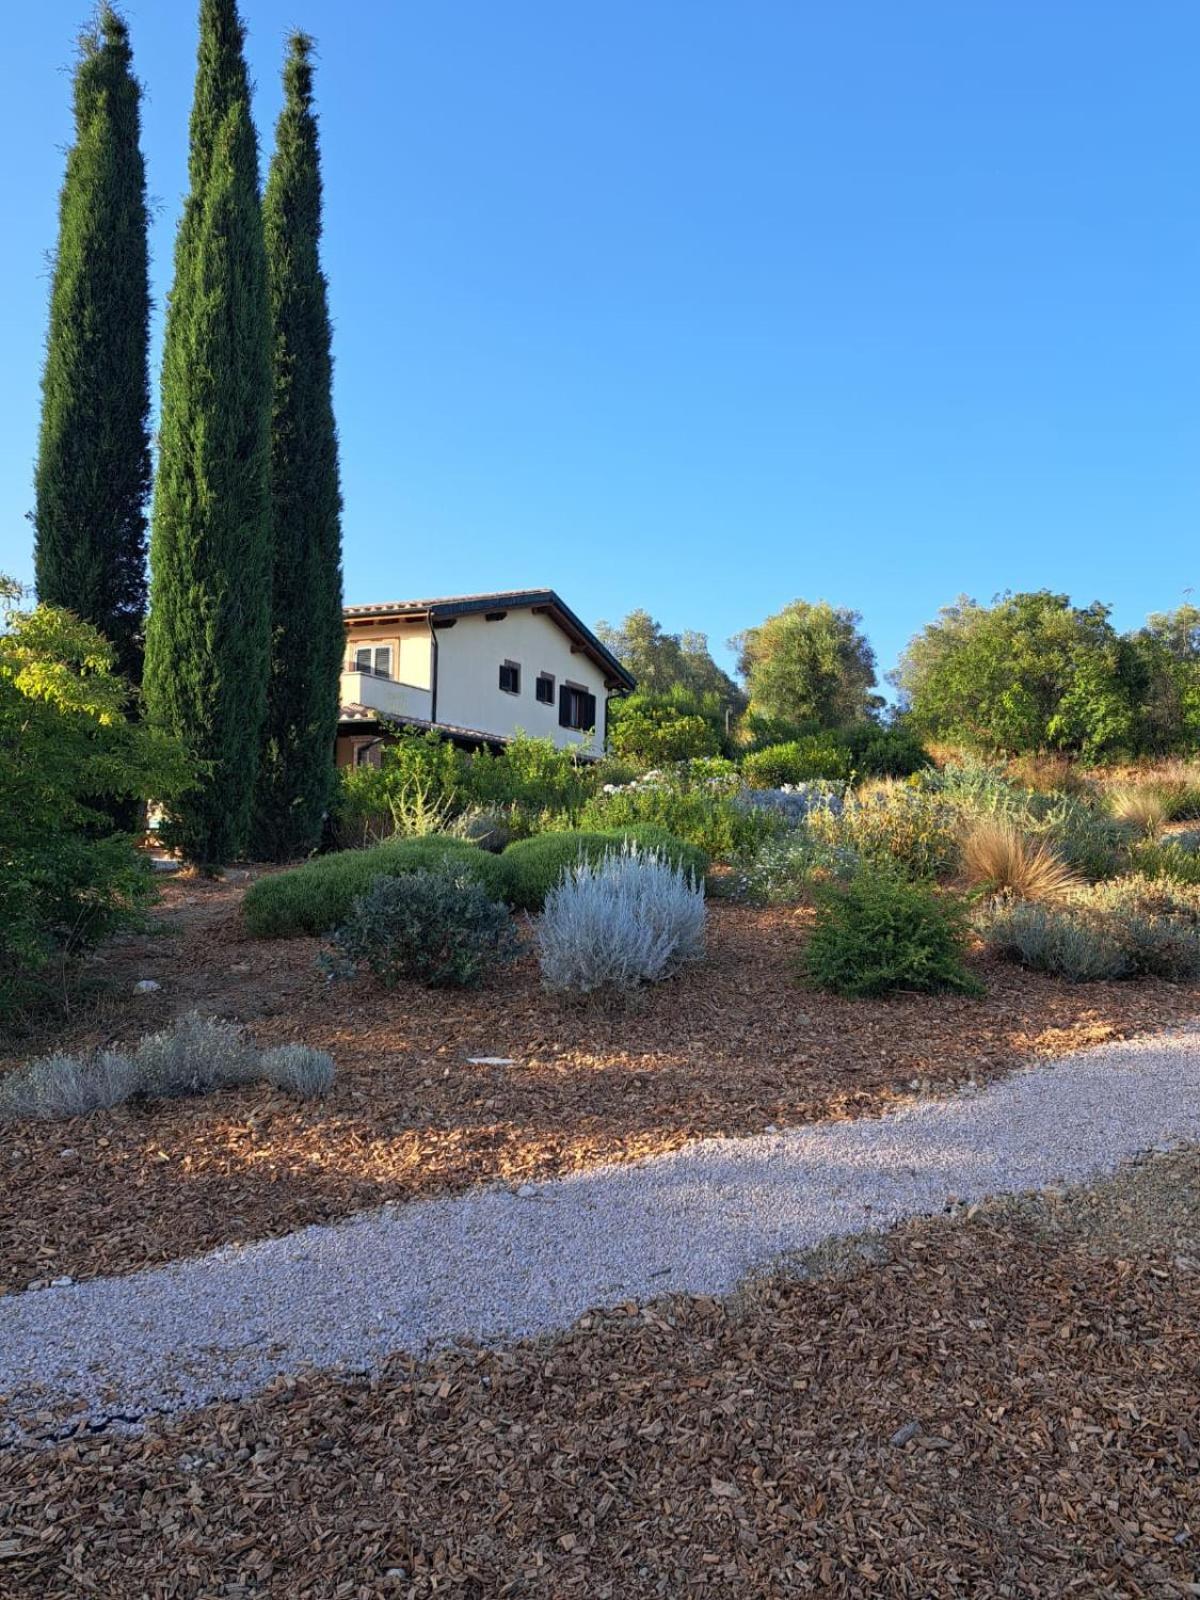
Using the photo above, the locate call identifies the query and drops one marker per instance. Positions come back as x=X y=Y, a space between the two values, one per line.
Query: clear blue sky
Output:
x=705 y=306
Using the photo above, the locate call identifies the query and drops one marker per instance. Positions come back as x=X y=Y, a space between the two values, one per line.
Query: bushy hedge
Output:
x=318 y=896
x=534 y=866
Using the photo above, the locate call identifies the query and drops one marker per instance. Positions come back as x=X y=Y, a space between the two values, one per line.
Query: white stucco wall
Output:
x=468 y=677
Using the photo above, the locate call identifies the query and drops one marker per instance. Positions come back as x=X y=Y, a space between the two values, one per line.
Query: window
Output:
x=576 y=708
x=545 y=688
x=375 y=660
x=510 y=677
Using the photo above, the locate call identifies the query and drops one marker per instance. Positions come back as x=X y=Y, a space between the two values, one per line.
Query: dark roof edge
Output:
x=512 y=600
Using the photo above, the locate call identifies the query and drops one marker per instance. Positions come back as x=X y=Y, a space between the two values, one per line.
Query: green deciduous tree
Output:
x=68 y=751
x=662 y=661
x=93 y=468
x=1168 y=652
x=1030 y=672
x=208 y=634
x=809 y=664
x=307 y=634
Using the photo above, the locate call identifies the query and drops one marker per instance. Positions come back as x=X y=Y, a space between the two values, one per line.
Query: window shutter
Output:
x=589 y=711
x=564 y=707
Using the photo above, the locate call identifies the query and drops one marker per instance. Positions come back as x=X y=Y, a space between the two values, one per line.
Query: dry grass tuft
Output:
x=998 y=856
x=1139 y=805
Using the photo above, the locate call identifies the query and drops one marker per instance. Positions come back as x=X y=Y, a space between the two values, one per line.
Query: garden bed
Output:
x=997 y=1405
x=730 y=1047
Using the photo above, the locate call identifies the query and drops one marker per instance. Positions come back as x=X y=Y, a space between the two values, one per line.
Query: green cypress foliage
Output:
x=208 y=634
x=93 y=470
x=308 y=636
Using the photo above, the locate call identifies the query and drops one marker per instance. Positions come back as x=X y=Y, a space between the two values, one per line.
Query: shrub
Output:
x=415 y=790
x=697 y=804
x=536 y=865
x=784 y=869
x=317 y=896
x=1139 y=806
x=1172 y=858
x=818 y=756
x=528 y=778
x=877 y=752
x=73 y=771
x=631 y=917
x=880 y=932
x=996 y=856
x=792 y=805
x=438 y=927
x=298 y=1068
x=1128 y=928
x=1178 y=782
x=1053 y=939
x=895 y=822
x=193 y=1056
x=651 y=730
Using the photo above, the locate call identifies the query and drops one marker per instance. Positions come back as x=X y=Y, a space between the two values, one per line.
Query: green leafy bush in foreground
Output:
x=1128 y=928
x=536 y=865
x=316 y=897
x=439 y=927
x=881 y=932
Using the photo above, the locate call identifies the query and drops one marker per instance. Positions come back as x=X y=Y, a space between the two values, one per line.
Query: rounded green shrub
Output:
x=536 y=865
x=880 y=932
x=822 y=755
x=317 y=896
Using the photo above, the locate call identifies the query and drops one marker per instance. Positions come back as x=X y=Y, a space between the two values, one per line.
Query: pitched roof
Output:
x=463 y=605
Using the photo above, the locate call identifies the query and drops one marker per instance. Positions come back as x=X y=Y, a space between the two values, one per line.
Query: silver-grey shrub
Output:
x=629 y=918
x=795 y=802
x=194 y=1055
x=297 y=1068
x=1130 y=927
x=67 y=1086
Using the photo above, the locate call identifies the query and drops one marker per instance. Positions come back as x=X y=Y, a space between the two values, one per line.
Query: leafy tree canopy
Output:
x=662 y=661
x=67 y=749
x=809 y=663
x=1029 y=672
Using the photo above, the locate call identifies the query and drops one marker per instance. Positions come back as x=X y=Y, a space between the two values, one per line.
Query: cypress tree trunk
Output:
x=208 y=634
x=93 y=469
x=308 y=636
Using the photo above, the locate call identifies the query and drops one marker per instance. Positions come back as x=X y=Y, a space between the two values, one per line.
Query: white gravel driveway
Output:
x=494 y=1264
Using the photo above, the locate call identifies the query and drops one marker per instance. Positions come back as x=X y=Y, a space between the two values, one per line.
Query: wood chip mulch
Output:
x=731 y=1047
x=1002 y=1406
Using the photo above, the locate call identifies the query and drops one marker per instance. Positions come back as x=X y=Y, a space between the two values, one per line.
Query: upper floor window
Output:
x=510 y=677
x=375 y=659
x=576 y=708
x=545 y=688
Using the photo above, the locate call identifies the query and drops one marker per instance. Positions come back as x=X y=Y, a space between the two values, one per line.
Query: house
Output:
x=476 y=668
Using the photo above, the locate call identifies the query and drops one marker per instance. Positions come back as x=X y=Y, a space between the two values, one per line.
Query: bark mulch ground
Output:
x=731 y=1047
x=1002 y=1404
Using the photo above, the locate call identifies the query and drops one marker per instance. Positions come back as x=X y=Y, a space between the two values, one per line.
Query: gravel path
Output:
x=494 y=1264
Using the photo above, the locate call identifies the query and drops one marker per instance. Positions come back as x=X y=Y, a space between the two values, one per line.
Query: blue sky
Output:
x=702 y=306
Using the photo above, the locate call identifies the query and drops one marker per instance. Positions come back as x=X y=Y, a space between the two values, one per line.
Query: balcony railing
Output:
x=388 y=696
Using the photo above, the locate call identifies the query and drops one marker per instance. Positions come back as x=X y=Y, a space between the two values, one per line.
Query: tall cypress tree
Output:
x=308 y=636
x=208 y=634
x=93 y=470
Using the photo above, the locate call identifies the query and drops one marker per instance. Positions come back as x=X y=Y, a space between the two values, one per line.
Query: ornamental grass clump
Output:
x=633 y=917
x=1140 y=806
x=998 y=857
x=881 y=932
x=441 y=928
x=195 y=1055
